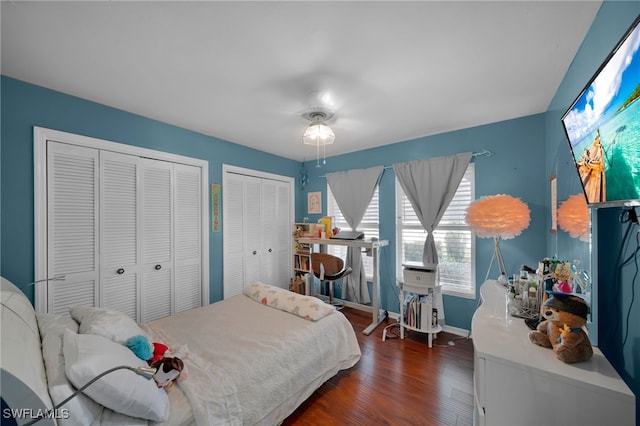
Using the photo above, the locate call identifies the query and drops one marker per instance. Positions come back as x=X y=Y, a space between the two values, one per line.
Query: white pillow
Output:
x=307 y=307
x=114 y=325
x=82 y=409
x=87 y=355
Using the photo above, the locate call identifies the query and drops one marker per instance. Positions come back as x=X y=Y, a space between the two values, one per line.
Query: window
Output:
x=454 y=241
x=369 y=226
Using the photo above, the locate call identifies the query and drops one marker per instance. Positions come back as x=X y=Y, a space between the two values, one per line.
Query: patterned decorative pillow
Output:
x=307 y=307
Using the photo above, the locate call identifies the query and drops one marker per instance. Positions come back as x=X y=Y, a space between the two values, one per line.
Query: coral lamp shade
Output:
x=573 y=217
x=501 y=216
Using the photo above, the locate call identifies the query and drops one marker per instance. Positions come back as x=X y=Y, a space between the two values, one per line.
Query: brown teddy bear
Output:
x=562 y=329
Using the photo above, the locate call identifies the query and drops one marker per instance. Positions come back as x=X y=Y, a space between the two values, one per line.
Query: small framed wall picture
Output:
x=314 y=202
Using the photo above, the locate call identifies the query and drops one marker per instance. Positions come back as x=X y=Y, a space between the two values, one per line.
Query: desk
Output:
x=377 y=316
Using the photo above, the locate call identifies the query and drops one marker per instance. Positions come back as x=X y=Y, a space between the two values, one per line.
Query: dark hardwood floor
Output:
x=396 y=382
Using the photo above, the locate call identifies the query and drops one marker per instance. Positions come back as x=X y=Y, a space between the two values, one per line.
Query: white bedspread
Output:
x=251 y=364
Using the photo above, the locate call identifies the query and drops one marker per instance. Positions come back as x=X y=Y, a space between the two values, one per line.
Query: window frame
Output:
x=371 y=229
x=469 y=291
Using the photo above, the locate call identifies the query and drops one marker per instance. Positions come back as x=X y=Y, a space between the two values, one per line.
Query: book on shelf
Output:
x=419 y=312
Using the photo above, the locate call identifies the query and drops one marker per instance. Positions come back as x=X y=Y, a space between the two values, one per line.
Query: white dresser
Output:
x=519 y=383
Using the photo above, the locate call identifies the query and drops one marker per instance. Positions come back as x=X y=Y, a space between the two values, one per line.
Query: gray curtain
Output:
x=353 y=190
x=430 y=186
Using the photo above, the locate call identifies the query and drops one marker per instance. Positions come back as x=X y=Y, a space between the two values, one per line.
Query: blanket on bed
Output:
x=249 y=364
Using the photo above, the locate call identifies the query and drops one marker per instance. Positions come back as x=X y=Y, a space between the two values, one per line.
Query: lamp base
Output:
x=497 y=255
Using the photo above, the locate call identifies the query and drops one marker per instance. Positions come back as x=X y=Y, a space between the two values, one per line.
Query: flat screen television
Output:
x=603 y=127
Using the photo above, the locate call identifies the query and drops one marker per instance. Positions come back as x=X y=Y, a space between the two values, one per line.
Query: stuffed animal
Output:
x=159 y=350
x=140 y=346
x=168 y=371
x=562 y=328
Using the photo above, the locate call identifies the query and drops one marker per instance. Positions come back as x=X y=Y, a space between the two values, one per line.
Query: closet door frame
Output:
x=229 y=169
x=40 y=137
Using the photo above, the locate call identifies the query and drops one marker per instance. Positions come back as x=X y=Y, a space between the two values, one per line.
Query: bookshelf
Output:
x=302 y=253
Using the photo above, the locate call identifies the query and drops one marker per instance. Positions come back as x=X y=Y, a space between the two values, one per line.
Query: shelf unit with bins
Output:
x=417 y=294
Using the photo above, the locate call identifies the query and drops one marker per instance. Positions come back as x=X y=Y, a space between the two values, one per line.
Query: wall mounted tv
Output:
x=603 y=127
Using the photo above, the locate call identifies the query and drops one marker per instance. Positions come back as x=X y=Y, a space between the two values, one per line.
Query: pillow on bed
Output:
x=114 y=325
x=87 y=355
x=82 y=409
x=307 y=307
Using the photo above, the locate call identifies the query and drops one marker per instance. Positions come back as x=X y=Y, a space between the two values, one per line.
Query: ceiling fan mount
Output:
x=317 y=114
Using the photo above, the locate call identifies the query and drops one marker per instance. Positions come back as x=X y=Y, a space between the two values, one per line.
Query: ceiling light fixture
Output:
x=318 y=133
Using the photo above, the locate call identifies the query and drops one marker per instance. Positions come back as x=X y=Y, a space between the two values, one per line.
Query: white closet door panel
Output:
x=72 y=225
x=269 y=215
x=71 y=292
x=283 y=219
x=268 y=260
x=72 y=202
x=118 y=207
x=157 y=239
x=156 y=294
x=253 y=229
x=263 y=233
x=253 y=214
x=188 y=287
x=187 y=212
x=119 y=232
x=157 y=191
x=187 y=229
x=234 y=275
x=254 y=270
x=120 y=292
x=282 y=226
x=233 y=240
x=233 y=206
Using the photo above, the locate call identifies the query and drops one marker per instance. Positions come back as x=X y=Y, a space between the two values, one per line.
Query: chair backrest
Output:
x=333 y=265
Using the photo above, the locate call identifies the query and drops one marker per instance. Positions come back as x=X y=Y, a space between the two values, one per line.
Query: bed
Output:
x=251 y=359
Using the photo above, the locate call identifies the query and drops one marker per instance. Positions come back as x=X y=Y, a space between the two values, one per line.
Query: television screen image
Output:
x=603 y=127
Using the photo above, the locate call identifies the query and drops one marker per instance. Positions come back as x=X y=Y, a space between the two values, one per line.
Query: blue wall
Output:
x=25 y=105
x=618 y=307
x=515 y=167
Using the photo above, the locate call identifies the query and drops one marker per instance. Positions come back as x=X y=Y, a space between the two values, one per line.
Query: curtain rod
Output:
x=483 y=153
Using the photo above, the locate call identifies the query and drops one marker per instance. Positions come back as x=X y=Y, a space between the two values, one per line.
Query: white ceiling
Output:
x=246 y=71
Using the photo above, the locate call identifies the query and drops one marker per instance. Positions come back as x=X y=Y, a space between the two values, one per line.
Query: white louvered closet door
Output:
x=257 y=232
x=157 y=239
x=282 y=224
x=269 y=220
x=276 y=233
x=253 y=230
x=187 y=226
x=123 y=224
x=119 y=229
x=72 y=226
x=233 y=244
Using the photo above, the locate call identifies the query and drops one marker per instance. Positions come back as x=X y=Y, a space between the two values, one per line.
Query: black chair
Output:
x=329 y=268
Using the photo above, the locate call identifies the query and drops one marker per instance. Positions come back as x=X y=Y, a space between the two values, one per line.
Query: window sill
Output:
x=461 y=294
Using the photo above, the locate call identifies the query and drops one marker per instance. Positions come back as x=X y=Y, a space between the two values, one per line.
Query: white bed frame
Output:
x=23 y=385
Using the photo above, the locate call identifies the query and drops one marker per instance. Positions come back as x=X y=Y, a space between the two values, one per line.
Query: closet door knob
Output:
x=270 y=250
x=255 y=252
x=120 y=271
x=158 y=267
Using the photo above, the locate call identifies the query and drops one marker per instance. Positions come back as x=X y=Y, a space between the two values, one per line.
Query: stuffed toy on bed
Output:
x=168 y=369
